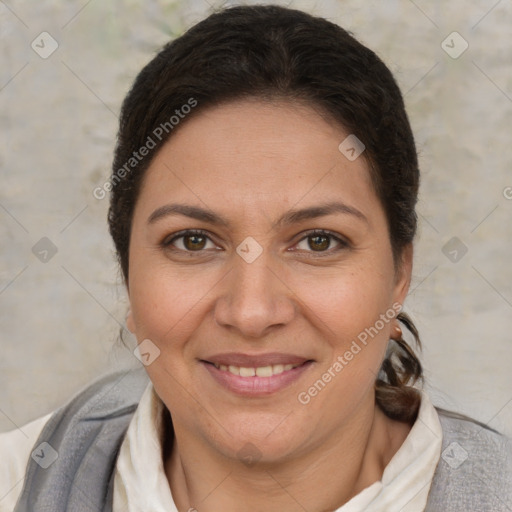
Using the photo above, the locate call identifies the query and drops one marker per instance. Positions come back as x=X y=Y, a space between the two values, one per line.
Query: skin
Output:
x=251 y=162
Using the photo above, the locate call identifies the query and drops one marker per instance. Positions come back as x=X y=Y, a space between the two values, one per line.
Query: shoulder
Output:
x=475 y=468
x=105 y=404
x=16 y=447
x=480 y=444
x=108 y=396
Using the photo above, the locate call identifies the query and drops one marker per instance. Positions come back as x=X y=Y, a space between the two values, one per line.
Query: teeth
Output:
x=261 y=371
x=278 y=368
x=264 y=371
x=247 y=372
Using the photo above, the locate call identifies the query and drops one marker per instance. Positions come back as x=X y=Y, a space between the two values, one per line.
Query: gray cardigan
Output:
x=474 y=473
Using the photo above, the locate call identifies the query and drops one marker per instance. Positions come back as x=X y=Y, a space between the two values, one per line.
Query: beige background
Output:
x=60 y=319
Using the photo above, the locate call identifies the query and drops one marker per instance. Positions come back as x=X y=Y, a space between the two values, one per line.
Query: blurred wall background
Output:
x=65 y=70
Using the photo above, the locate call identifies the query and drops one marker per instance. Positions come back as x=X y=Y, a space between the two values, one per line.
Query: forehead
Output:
x=255 y=154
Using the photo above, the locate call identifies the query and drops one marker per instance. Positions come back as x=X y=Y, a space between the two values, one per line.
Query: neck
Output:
x=322 y=479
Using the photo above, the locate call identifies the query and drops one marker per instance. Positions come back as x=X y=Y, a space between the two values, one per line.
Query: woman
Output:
x=262 y=209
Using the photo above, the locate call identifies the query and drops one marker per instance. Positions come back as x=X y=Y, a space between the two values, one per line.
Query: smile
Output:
x=260 y=371
x=257 y=380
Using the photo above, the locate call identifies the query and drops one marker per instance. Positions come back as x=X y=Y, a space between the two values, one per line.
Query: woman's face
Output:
x=268 y=323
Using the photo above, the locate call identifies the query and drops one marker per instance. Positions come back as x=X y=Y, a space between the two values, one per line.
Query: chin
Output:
x=259 y=438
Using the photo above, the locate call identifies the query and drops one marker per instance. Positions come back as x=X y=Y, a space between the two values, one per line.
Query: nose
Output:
x=255 y=298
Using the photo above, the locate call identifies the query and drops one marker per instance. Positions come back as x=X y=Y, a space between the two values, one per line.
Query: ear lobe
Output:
x=404 y=273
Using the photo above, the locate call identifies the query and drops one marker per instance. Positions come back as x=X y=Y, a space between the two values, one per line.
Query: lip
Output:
x=256 y=386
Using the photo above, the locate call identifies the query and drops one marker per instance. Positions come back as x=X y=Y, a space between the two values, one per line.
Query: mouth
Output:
x=260 y=371
x=255 y=375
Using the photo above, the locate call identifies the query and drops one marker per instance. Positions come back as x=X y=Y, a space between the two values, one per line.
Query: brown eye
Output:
x=194 y=242
x=321 y=242
x=189 y=241
x=318 y=242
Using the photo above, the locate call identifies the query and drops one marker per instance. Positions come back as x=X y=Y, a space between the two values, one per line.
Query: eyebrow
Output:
x=290 y=217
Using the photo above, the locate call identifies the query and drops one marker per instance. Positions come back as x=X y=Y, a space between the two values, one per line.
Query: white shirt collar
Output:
x=140 y=483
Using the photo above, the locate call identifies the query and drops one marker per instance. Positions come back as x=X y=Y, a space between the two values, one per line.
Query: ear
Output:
x=403 y=274
x=129 y=321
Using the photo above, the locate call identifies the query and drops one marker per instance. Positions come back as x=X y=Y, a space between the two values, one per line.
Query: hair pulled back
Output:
x=271 y=52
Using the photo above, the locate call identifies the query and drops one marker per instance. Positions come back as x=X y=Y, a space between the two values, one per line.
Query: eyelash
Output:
x=342 y=244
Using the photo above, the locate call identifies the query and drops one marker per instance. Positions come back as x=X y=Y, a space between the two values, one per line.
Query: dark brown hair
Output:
x=272 y=52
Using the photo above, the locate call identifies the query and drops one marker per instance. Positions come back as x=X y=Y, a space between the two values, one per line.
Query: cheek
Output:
x=166 y=302
x=348 y=310
x=345 y=302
